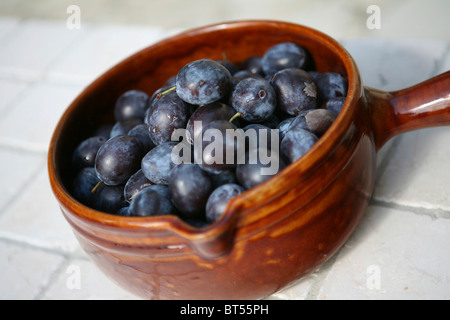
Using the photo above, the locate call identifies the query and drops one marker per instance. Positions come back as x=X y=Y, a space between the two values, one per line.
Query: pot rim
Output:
x=318 y=153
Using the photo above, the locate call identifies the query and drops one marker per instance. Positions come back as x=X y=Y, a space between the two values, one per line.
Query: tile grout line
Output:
x=75 y=42
x=31 y=246
x=22 y=149
x=67 y=257
x=15 y=100
x=24 y=186
x=53 y=277
x=43 y=74
x=419 y=210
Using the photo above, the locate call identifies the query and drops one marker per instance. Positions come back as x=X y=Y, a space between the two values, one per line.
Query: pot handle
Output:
x=424 y=105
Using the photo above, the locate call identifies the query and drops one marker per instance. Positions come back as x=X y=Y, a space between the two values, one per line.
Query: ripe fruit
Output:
x=152 y=201
x=117 y=159
x=157 y=164
x=190 y=188
x=168 y=113
x=296 y=90
x=296 y=143
x=283 y=55
x=203 y=81
x=218 y=200
x=131 y=105
x=254 y=99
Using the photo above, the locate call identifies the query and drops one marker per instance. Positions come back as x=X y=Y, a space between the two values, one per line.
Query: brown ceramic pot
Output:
x=271 y=235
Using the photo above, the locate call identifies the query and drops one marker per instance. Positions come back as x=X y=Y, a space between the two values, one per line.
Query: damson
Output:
x=131 y=105
x=203 y=81
x=253 y=171
x=331 y=85
x=85 y=180
x=121 y=128
x=296 y=91
x=253 y=64
x=167 y=113
x=259 y=136
x=296 y=143
x=157 y=164
x=190 y=187
x=136 y=183
x=142 y=134
x=84 y=155
x=224 y=177
x=152 y=201
x=117 y=159
x=109 y=199
x=254 y=99
x=334 y=105
x=218 y=149
x=316 y=121
x=206 y=114
x=218 y=200
x=284 y=126
x=283 y=55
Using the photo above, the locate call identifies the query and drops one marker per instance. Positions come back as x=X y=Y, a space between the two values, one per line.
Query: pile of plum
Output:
x=209 y=133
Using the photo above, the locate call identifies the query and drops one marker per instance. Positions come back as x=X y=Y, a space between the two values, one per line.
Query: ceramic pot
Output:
x=271 y=235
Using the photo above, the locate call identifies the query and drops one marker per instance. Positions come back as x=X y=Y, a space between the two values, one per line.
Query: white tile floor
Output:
x=399 y=251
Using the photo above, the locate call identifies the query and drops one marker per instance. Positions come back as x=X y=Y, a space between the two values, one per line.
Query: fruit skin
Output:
x=224 y=177
x=206 y=153
x=152 y=201
x=85 y=180
x=131 y=105
x=157 y=164
x=334 y=105
x=167 y=113
x=121 y=128
x=284 y=126
x=142 y=134
x=117 y=159
x=283 y=55
x=331 y=85
x=207 y=114
x=249 y=173
x=296 y=143
x=203 y=81
x=135 y=183
x=85 y=153
x=253 y=64
x=254 y=99
x=261 y=137
x=109 y=199
x=190 y=188
x=316 y=121
x=218 y=200
x=296 y=91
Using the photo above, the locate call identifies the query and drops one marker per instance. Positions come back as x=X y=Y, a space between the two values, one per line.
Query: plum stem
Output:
x=237 y=115
x=96 y=186
x=159 y=95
